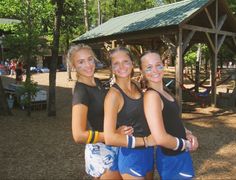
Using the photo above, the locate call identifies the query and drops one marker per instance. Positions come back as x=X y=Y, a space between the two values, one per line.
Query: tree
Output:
x=232 y=5
x=114 y=8
x=169 y=1
x=26 y=39
x=99 y=13
x=225 y=55
x=72 y=23
x=86 y=22
x=53 y=64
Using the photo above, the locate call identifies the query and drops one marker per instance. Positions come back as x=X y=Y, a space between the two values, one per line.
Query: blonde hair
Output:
x=75 y=48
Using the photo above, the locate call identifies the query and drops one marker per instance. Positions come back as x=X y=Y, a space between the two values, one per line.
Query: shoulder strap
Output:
x=117 y=87
x=149 y=88
x=139 y=90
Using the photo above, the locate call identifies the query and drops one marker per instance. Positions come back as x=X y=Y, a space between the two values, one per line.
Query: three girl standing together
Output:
x=125 y=125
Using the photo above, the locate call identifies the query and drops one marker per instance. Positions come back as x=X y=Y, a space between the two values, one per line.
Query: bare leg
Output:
x=128 y=176
x=111 y=175
x=149 y=176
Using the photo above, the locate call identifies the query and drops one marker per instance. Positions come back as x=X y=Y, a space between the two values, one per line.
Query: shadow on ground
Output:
x=41 y=147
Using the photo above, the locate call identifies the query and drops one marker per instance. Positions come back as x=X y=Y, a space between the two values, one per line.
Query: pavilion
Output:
x=179 y=25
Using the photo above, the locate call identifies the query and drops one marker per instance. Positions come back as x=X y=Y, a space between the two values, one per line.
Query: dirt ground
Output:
x=41 y=147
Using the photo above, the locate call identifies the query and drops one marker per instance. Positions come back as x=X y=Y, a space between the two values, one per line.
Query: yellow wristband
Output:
x=89 y=137
x=96 y=137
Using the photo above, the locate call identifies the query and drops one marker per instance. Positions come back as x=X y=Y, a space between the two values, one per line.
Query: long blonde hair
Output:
x=75 y=48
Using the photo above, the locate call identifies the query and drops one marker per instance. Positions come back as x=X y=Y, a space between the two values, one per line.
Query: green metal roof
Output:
x=166 y=15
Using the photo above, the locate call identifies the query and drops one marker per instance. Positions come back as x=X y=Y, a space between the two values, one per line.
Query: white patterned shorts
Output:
x=99 y=157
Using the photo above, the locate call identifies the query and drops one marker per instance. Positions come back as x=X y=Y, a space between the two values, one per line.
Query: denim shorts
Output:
x=174 y=167
x=136 y=162
x=100 y=157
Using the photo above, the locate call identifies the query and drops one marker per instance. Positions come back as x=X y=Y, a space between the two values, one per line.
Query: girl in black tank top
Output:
x=124 y=106
x=171 y=119
x=163 y=116
x=132 y=114
x=88 y=116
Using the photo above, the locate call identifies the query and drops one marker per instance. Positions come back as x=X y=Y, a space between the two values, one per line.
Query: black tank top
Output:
x=172 y=121
x=132 y=114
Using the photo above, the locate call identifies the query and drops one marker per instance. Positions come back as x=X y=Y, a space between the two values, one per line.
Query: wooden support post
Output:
x=113 y=44
x=209 y=18
x=220 y=42
x=213 y=72
x=234 y=40
x=188 y=39
x=179 y=69
x=221 y=21
x=214 y=62
x=141 y=49
x=210 y=41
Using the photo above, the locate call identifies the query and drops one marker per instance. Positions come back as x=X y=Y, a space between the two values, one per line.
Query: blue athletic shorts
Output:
x=174 y=167
x=136 y=162
x=100 y=157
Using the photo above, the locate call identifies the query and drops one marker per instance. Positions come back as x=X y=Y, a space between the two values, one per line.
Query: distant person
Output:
x=173 y=160
x=7 y=65
x=19 y=72
x=12 y=67
x=218 y=73
x=88 y=115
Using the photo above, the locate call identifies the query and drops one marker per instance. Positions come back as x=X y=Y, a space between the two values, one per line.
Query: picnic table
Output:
x=39 y=102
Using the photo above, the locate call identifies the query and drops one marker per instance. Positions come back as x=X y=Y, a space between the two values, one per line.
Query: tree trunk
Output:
x=86 y=23
x=115 y=8
x=29 y=55
x=4 y=109
x=68 y=68
x=205 y=68
x=51 y=108
x=99 y=12
x=198 y=68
